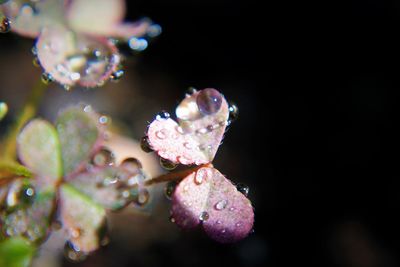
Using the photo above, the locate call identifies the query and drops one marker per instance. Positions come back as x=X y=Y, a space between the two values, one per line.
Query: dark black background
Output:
x=317 y=84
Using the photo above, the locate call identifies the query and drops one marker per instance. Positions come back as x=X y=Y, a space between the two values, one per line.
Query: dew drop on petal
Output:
x=163 y=115
x=204 y=216
x=104 y=120
x=220 y=205
x=242 y=188
x=145 y=145
x=187 y=110
x=172 y=219
x=209 y=101
x=103 y=157
x=233 y=112
x=5 y=25
x=47 y=78
x=167 y=164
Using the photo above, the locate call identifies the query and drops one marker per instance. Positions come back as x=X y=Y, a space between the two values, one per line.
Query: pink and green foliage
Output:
x=204 y=197
x=74 y=180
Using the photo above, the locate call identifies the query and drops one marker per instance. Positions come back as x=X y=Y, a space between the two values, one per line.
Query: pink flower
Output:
x=74 y=45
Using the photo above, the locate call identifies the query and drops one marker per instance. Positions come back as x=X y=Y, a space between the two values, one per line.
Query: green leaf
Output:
x=78 y=132
x=16 y=252
x=112 y=187
x=39 y=150
x=83 y=219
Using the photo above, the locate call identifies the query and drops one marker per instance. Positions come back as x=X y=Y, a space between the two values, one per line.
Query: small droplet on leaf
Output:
x=233 y=112
x=242 y=188
x=47 y=78
x=220 y=205
x=3 y=110
x=168 y=165
x=132 y=165
x=103 y=157
x=145 y=145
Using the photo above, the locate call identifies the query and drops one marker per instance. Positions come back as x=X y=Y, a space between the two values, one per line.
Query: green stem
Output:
x=10 y=168
x=27 y=113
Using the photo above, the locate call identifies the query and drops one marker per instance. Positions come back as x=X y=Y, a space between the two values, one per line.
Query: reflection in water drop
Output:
x=145 y=145
x=168 y=165
x=132 y=165
x=204 y=216
x=103 y=157
x=73 y=252
x=47 y=78
x=5 y=25
x=169 y=189
x=163 y=115
x=209 y=101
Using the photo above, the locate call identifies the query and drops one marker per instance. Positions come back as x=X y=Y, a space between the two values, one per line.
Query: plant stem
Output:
x=27 y=113
x=175 y=176
x=10 y=169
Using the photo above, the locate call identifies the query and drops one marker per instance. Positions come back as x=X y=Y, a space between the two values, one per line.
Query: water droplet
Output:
x=242 y=188
x=163 y=115
x=167 y=164
x=5 y=25
x=190 y=91
x=204 y=216
x=47 y=78
x=169 y=189
x=210 y=128
x=221 y=204
x=218 y=222
x=103 y=157
x=209 y=101
x=185 y=188
x=172 y=219
x=75 y=232
x=223 y=231
x=117 y=75
x=104 y=120
x=34 y=50
x=36 y=62
x=180 y=130
x=188 y=145
x=233 y=112
x=162 y=134
x=231 y=209
x=143 y=197
x=110 y=180
x=3 y=110
x=201 y=175
x=87 y=108
x=132 y=165
x=137 y=44
x=154 y=30
x=202 y=131
x=73 y=253
x=238 y=225
x=145 y=144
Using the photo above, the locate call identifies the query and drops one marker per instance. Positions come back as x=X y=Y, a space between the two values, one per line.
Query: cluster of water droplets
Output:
x=16 y=199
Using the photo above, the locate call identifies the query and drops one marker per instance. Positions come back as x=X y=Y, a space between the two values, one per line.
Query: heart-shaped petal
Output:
x=202 y=119
x=76 y=59
x=82 y=218
x=80 y=134
x=39 y=149
x=206 y=197
x=111 y=187
x=28 y=18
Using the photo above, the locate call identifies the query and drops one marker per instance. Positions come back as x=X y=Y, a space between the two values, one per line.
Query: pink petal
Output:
x=197 y=137
x=28 y=18
x=95 y=16
x=76 y=59
x=208 y=198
